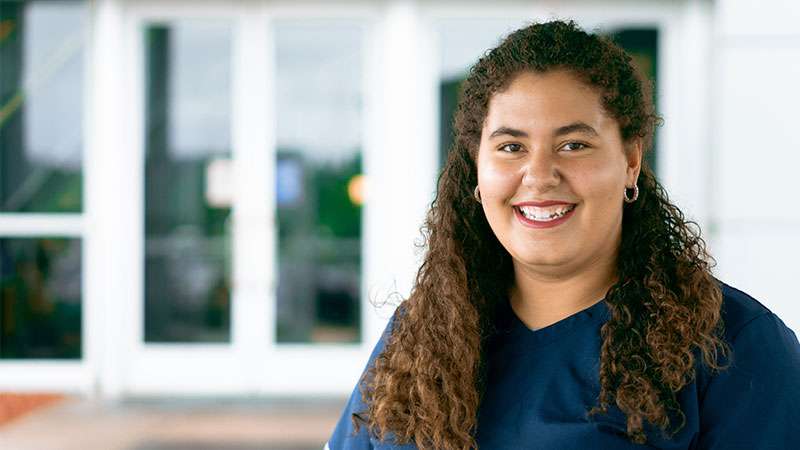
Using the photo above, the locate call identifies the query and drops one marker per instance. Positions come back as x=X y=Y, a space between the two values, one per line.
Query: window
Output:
x=187 y=182
x=42 y=51
x=319 y=180
x=41 y=106
x=40 y=304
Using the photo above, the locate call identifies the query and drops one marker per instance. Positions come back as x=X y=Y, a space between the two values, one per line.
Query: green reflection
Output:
x=40 y=298
x=320 y=250
x=319 y=173
x=187 y=226
x=41 y=106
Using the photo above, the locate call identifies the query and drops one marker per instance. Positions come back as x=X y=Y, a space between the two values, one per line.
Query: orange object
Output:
x=13 y=406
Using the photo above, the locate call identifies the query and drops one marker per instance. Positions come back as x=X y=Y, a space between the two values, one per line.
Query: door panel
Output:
x=187 y=181
x=319 y=184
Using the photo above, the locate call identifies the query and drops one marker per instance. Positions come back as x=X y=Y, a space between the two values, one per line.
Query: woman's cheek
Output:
x=496 y=181
x=601 y=180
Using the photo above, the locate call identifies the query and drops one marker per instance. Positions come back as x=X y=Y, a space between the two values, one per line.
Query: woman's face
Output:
x=552 y=170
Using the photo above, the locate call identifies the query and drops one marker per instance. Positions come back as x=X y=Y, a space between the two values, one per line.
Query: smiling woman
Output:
x=564 y=301
x=555 y=162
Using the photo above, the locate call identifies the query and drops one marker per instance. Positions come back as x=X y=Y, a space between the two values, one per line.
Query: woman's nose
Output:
x=541 y=171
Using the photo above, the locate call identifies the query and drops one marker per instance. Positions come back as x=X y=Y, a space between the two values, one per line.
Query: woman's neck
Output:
x=541 y=299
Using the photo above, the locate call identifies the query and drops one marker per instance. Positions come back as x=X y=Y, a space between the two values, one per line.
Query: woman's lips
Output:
x=544 y=203
x=532 y=223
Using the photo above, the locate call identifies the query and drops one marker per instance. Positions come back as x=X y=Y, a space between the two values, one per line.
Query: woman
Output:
x=564 y=302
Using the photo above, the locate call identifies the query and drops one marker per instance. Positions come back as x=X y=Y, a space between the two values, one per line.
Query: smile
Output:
x=544 y=217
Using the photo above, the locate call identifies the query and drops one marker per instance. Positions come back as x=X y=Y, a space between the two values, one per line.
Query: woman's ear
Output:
x=634 y=153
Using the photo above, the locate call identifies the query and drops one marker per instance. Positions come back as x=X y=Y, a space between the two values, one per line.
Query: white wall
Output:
x=756 y=150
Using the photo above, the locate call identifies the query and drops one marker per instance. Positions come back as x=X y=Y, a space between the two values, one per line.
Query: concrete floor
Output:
x=178 y=424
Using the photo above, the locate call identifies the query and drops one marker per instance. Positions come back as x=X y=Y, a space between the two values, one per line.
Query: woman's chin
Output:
x=544 y=261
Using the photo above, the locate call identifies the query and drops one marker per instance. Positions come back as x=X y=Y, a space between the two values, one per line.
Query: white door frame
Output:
x=252 y=363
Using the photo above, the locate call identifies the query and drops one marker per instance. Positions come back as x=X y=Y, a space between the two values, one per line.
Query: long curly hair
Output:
x=426 y=384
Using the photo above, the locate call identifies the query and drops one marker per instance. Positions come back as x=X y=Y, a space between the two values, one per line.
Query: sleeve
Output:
x=344 y=437
x=755 y=403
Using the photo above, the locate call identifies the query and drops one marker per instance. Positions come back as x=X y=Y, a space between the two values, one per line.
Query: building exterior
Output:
x=223 y=197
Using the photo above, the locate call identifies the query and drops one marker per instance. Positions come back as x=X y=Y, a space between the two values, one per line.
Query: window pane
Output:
x=319 y=180
x=40 y=298
x=187 y=183
x=41 y=105
x=642 y=45
x=462 y=42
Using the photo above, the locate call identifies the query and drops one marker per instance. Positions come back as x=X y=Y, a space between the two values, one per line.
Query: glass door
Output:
x=247 y=254
x=181 y=253
x=187 y=178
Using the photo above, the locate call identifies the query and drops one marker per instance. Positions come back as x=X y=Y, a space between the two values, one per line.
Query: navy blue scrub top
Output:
x=541 y=383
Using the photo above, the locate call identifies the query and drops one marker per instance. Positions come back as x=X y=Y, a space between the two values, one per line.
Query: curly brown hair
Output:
x=426 y=384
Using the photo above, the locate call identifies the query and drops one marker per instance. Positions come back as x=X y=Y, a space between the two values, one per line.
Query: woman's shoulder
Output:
x=751 y=328
x=741 y=310
x=759 y=341
x=758 y=389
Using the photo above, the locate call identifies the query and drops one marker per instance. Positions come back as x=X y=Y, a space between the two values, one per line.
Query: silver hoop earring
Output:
x=635 y=194
x=477 y=194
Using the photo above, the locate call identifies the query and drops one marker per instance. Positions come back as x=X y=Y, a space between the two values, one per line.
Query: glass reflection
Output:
x=319 y=180
x=187 y=177
x=40 y=298
x=41 y=105
x=642 y=45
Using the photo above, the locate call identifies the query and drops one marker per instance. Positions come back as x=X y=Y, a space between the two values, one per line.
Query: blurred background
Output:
x=209 y=209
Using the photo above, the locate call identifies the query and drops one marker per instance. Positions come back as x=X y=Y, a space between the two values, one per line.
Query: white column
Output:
x=400 y=157
x=253 y=120
x=108 y=208
x=685 y=147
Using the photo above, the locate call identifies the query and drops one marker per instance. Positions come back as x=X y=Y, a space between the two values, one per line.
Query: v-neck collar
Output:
x=510 y=325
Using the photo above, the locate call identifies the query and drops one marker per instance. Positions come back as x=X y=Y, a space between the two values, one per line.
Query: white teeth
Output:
x=547 y=213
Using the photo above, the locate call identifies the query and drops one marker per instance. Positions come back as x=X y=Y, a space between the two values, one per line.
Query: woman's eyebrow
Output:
x=576 y=127
x=509 y=131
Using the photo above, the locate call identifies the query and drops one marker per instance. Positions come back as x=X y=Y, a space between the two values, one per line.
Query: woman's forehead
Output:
x=547 y=101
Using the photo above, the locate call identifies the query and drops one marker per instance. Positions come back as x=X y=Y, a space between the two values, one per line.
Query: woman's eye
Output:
x=571 y=146
x=510 y=148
